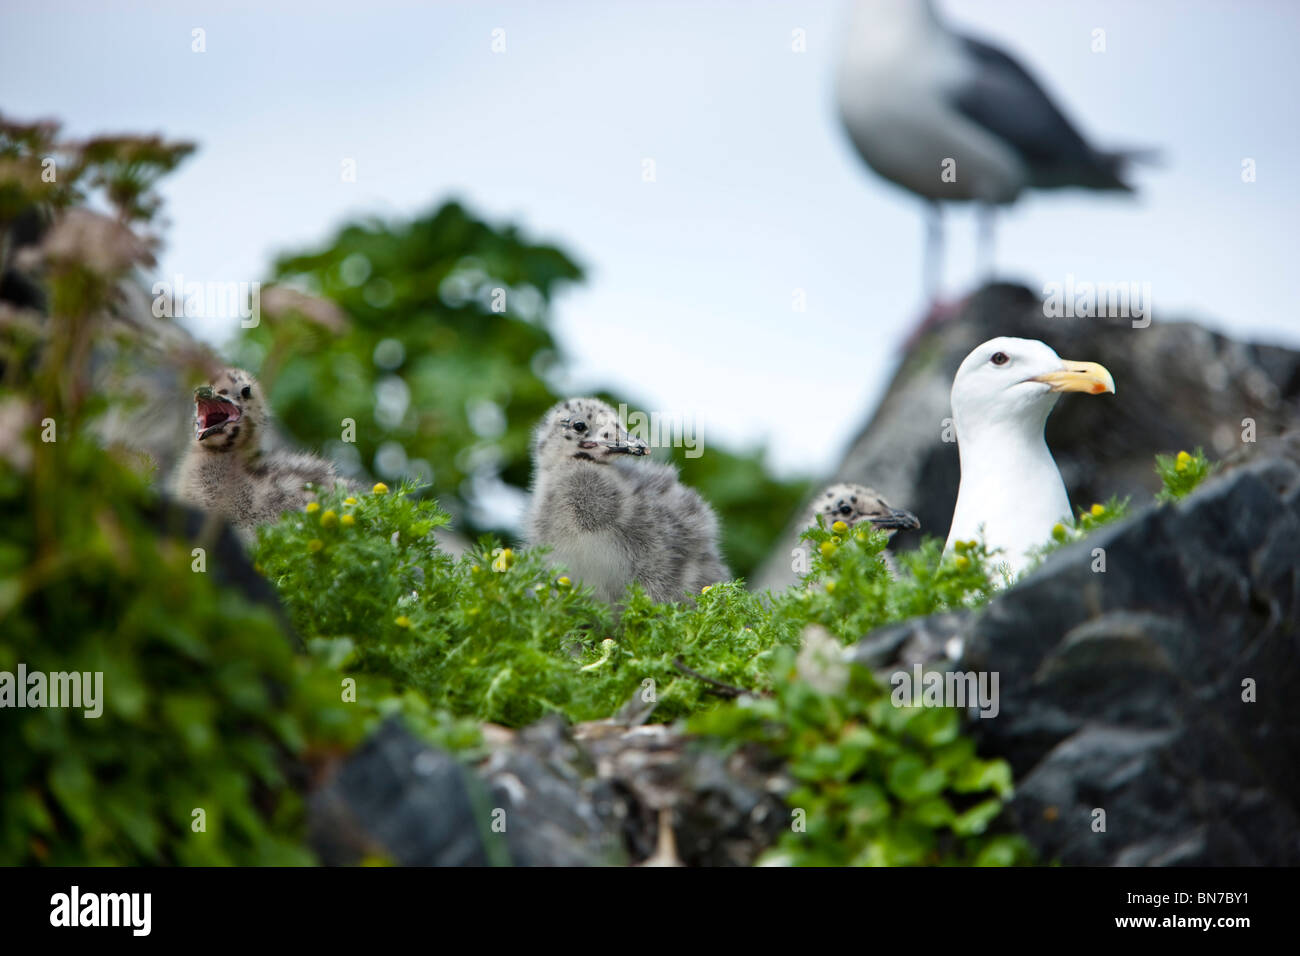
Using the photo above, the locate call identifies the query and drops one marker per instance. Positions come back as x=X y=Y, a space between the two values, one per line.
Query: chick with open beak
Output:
x=219 y=411
x=610 y=519
x=226 y=471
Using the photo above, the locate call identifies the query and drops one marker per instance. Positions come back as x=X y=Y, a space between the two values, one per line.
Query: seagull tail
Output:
x=1112 y=166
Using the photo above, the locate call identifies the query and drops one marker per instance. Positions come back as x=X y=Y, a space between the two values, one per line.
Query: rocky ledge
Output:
x=1160 y=692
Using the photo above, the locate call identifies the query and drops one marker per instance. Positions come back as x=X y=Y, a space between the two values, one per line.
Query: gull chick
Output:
x=225 y=470
x=1011 y=492
x=854 y=504
x=611 y=520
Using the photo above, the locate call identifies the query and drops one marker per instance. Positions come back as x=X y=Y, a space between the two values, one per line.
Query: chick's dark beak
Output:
x=896 y=520
x=628 y=446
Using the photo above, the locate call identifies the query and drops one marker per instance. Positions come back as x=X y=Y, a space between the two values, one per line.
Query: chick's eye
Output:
x=579 y=427
x=1000 y=358
x=246 y=392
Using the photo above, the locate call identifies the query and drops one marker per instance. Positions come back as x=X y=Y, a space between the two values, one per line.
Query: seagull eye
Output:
x=999 y=358
x=246 y=392
x=579 y=427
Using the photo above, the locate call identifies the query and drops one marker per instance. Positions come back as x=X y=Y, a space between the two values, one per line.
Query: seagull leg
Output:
x=932 y=264
x=987 y=219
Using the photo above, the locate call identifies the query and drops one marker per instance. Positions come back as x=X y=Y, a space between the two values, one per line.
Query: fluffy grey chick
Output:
x=854 y=504
x=611 y=520
x=225 y=470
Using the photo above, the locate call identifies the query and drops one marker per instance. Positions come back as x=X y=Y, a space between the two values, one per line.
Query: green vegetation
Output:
x=207 y=716
x=876 y=784
x=503 y=637
x=1181 y=473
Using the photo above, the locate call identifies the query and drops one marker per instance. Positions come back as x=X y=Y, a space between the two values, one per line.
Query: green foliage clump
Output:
x=498 y=635
x=876 y=784
x=1088 y=520
x=1181 y=473
x=202 y=703
x=504 y=637
x=850 y=591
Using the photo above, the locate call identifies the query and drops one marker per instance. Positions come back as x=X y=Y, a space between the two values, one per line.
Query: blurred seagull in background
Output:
x=949 y=117
x=1011 y=493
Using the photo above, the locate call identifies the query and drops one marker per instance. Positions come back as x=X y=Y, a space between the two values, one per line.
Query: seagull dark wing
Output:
x=1008 y=102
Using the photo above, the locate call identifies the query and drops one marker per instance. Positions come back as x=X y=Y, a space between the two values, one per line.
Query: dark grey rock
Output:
x=549 y=795
x=401 y=800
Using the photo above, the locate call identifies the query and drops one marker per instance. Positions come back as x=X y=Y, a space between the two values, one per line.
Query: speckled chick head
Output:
x=855 y=503
x=582 y=430
x=229 y=412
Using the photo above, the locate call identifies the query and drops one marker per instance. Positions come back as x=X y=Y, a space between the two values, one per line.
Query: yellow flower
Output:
x=329 y=519
x=563 y=582
x=827 y=548
x=312 y=507
x=830 y=587
x=1098 y=510
x=503 y=560
x=1182 y=461
x=315 y=544
x=960 y=547
x=963 y=563
x=347 y=521
x=1058 y=531
x=839 y=527
x=380 y=488
x=349 y=500
x=403 y=621
x=706 y=589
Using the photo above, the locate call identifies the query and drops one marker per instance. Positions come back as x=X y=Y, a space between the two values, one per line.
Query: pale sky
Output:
x=688 y=305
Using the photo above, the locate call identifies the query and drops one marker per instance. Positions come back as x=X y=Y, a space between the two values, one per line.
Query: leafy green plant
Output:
x=499 y=635
x=1088 y=520
x=874 y=784
x=207 y=719
x=1181 y=473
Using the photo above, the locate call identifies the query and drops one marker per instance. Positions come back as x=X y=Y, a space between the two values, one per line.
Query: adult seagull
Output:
x=1011 y=493
x=949 y=117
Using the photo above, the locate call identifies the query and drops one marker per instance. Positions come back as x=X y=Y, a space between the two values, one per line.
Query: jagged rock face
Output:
x=1123 y=691
x=1178 y=386
x=582 y=796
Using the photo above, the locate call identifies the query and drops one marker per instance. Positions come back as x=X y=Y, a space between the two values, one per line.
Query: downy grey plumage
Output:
x=610 y=519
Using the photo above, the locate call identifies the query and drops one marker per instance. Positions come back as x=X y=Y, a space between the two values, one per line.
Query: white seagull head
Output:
x=1014 y=383
x=1011 y=491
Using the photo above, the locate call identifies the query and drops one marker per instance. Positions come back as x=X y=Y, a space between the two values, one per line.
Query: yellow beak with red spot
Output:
x=1079 y=377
